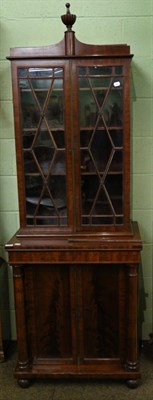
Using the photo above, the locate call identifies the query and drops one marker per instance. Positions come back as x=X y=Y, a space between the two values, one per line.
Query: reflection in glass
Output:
x=100 y=101
x=101 y=148
x=94 y=70
x=38 y=72
x=119 y=70
x=28 y=137
x=54 y=110
x=59 y=164
x=114 y=105
x=87 y=164
x=30 y=165
x=22 y=72
x=39 y=84
x=29 y=106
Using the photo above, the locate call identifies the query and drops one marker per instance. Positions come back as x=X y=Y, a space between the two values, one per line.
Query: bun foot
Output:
x=24 y=383
x=133 y=383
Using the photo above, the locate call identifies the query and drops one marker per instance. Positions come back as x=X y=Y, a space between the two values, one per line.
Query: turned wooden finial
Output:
x=67 y=5
x=68 y=19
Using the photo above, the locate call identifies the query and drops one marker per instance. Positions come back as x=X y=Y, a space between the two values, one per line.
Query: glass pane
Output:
x=119 y=70
x=101 y=149
x=117 y=162
x=84 y=83
x=90 y=186
x=58 y=72
x=45 y=72
x=58 y=136
x=87 y=163
x=39 y=84
x=117 y=137
x=100 y=82
x=57 y=187
x=85 y=137
x=100 y=70
x=114 y=189
x=38 y=72
x=33 y=185
x=59 y=164
x=28 y=137
x=30 y=164
x=22 y=72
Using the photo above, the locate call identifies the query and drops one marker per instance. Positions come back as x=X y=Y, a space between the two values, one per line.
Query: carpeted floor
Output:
x=76 y=390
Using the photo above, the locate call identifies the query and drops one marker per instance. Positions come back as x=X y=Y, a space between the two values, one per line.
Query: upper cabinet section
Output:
x=72 y=130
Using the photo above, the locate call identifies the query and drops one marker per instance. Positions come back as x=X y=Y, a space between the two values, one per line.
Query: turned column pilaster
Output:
x=23 y=360
x=132 y=363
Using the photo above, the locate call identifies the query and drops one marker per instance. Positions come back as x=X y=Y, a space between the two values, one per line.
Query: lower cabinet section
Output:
x=77 y=321
x=76 y=313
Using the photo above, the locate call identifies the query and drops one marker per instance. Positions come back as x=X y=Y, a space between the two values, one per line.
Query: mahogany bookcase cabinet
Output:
x=75 y=257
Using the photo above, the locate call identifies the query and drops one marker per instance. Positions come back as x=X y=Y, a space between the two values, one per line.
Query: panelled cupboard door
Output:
x=50 y=305
x=102 y=312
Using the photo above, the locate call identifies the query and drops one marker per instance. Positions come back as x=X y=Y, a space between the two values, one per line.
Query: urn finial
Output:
x=68 y=19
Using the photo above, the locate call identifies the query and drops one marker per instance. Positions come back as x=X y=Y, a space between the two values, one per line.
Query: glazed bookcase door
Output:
x=102 y=144
x=45 y=143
